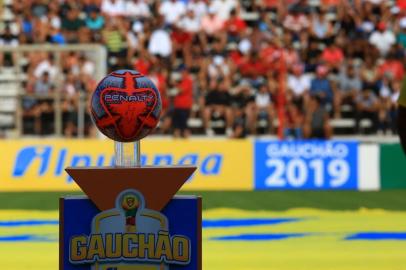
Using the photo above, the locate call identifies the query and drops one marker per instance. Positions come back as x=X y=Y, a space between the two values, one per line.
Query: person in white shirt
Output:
x=53 y=19
x=199 y=7
x=160 y=43
x=86 y=66
x=47 y=65
x=382 y=39
x=137 y=9
x=113 y=8
x=263 y=106
x=375 y=2
x=172 y=10
x=298 y=82
x=190 y=23
x=224 y=7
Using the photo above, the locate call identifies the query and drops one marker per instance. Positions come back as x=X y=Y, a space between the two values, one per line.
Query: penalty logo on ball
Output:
x=130 y=236
x=126 y=106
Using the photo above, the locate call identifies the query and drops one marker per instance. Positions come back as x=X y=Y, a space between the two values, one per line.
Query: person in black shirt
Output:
x=244 y=106
x=72 y=26
x=7 y=39
x=218 y=103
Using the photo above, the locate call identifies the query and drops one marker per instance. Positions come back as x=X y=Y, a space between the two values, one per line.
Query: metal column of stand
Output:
x=127 y=154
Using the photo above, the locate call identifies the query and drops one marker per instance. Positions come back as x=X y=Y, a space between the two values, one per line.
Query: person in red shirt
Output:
x=253 y=66
x=182 y=42
x=235 y=27
x=392 y=67
x=159 y=76
x=236 y=57
x=271 y=53
x=333 y=56
x=142 y=64
x=401 y=4
x=182 y=105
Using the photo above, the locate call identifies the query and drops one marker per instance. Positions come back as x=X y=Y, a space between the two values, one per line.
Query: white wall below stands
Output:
x=368 y=167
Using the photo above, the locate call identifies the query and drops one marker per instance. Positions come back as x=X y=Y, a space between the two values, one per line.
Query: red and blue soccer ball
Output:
x=126 y=106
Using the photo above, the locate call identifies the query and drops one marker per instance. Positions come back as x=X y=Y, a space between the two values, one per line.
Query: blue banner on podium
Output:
x=130 y=236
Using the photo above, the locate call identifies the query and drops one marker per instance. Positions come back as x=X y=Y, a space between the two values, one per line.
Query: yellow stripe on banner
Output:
x=39 y=164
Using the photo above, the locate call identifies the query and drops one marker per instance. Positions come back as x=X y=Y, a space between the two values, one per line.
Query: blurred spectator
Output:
x=7 y=38
x=401 y=4
x=293 y=122
x=159 y=78
x=382 y=38
x=253 y=67
x=392 y=106
x=113 y=8
x=235 y=27
x=53 y=18
x=333 y=56
x=85 y=66
x=70 y=91
x=160 y=43
x=401 y=37
x=72 y=26
x=317 y=123
x=392 y=67
x=114 y=38
x=388 y=96
x=311 y=55
x=321 y=86
x=181 y=41
x=137 y=9
x=199 y=7
x=367 y=107
x=290 y=55
x=211 y=23
x=370 y=74
x=56 y=36
x=224 y=7
x=243 y=100
x=190 y=23
x=218 y=66
x=39 y=105
x=47 y=65
x=239 y=125
x=349 y=84
x=142 y=64
x=182 y=104
x=296 y=21
x=298 y=84
x=264 y=109
x=217 y=104
x=321 y=28
x=95 y=22
x=43 y=86
x=172 y=11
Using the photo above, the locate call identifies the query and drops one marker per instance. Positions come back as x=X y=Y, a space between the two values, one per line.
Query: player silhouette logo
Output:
x=130 y=205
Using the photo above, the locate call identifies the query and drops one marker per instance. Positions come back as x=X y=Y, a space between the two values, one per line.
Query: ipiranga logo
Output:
x=51 y=160
x=130 y=234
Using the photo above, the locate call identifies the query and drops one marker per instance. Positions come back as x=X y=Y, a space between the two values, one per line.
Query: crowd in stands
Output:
x=258 y=67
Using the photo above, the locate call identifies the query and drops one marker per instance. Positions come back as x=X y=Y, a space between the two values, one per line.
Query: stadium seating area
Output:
x=302 y=69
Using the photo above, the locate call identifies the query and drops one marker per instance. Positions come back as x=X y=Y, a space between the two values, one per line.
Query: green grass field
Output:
x=320 y=235
x=258 y=200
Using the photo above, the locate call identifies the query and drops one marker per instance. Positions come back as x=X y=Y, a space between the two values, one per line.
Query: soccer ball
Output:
x=126 y=106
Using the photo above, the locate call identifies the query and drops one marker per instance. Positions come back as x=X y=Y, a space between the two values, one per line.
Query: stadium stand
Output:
x=293 y=68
